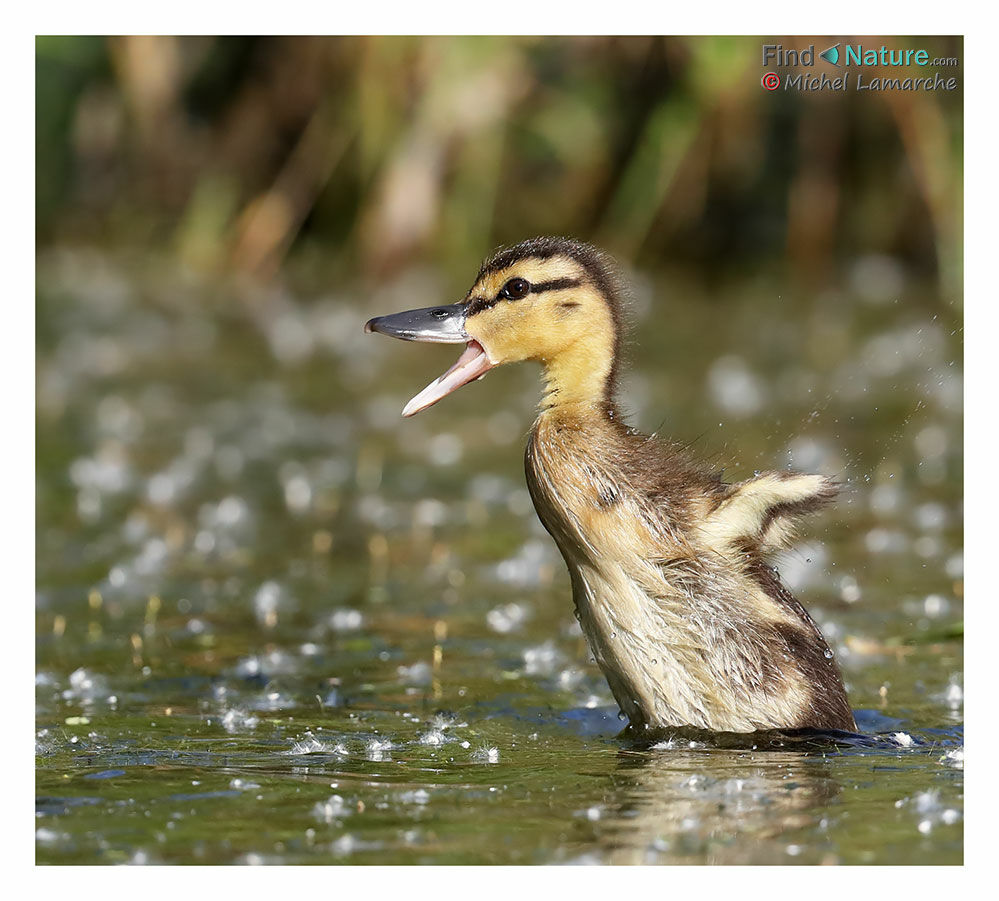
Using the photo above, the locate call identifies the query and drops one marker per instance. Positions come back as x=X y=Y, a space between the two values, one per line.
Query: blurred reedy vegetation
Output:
x=360 y=156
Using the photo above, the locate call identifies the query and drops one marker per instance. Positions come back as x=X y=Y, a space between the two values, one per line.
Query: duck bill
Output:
x=438 y=325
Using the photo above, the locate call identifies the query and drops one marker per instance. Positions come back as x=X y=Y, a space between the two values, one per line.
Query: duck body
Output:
x=687 y=621
x=690 y=628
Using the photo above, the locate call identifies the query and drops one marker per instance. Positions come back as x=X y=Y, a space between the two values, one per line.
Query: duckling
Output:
x=681 y=611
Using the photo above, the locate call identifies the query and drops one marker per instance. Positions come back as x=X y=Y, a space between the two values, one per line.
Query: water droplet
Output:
x=622 y=716
x=828 y=654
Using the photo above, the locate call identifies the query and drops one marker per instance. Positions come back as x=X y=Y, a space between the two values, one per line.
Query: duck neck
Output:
x=579 y=381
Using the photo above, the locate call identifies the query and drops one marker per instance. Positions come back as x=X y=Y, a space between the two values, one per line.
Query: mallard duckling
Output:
x=682 y=613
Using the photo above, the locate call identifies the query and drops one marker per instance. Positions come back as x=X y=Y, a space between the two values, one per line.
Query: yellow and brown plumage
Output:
x=686 y=619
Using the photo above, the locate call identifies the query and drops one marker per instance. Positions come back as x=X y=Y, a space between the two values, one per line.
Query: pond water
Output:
x=276 y=623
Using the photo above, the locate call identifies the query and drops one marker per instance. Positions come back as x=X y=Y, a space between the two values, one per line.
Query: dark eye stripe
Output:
x=478 y=304
x=556 y=284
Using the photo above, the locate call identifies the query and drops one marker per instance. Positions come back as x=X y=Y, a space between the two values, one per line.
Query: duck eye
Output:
x=516 y=288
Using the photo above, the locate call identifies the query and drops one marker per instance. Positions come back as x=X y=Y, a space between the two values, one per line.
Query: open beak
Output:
x=439 y=325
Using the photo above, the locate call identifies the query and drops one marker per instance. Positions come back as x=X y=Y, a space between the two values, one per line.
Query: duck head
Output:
x=552 y=300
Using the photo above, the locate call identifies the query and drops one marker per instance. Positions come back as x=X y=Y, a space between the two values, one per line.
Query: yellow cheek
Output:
x=508 y=333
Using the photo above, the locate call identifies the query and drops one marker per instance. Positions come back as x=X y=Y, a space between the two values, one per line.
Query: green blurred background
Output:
x=358 y=156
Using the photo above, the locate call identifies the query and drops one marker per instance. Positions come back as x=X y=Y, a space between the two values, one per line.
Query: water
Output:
x=278 y=624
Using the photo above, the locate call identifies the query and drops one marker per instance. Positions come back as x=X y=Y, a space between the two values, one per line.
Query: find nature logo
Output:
x=854 y=62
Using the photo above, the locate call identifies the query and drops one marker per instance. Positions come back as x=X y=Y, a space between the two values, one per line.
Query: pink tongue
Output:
x=471 y=364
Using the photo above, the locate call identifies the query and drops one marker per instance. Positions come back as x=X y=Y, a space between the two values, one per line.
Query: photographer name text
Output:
x=806 y=81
